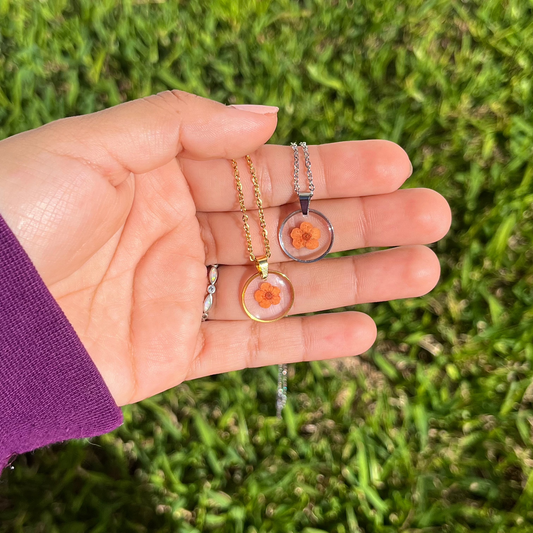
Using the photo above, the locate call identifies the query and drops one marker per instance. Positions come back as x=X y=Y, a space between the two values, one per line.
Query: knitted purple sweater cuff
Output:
x=50 y=390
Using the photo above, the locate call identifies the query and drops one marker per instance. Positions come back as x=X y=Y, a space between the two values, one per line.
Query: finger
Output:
x=144 y=134
x=403 y=272
x=340 y=170
x=227 y=346
x=411 y=216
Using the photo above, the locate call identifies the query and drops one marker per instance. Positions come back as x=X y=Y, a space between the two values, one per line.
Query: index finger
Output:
x=340 y=170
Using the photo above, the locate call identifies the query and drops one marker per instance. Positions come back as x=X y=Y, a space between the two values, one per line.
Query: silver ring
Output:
x=211 y=289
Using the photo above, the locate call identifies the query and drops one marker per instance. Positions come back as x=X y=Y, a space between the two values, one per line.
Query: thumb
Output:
x=61 y=215
x=144 y=134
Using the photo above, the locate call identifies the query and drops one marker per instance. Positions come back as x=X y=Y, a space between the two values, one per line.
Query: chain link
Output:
x=307 y=161
x=308 y=167
x=282 y=389
x=294 y=147
x=259 y=203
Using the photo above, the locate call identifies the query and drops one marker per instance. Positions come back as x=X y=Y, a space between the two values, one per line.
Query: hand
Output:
x=121 y=211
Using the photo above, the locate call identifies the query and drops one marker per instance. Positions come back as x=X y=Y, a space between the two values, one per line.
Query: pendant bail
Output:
x=305 y=200
x=261 y=264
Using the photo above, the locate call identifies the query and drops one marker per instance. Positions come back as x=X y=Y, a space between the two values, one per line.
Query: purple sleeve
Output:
x=50 y=390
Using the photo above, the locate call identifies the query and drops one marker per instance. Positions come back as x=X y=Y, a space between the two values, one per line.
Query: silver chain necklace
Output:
x=306 y=236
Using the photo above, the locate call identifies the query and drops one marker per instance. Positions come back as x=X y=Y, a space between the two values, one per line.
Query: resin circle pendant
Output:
x=306 y=238
x=267 y=300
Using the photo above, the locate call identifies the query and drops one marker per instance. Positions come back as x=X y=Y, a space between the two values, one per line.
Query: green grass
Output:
x=430 y=431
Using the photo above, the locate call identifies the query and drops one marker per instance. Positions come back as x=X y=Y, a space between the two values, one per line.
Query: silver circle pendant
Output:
x=306 y=238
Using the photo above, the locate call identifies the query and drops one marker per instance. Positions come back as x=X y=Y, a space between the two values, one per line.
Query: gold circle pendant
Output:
x=267 y=300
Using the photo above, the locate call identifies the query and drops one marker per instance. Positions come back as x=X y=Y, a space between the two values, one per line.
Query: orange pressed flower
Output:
x=267 y=295
x=306 y=236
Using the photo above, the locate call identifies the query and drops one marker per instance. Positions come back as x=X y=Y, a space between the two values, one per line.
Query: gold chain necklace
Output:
x=267 y=296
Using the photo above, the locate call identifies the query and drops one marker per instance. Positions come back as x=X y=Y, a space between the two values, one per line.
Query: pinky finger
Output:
x=224 y=346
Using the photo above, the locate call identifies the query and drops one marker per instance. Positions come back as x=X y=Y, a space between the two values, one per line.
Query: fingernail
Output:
x=259 y=109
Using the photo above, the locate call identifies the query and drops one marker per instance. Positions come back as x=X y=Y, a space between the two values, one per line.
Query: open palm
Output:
x=121 y=211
